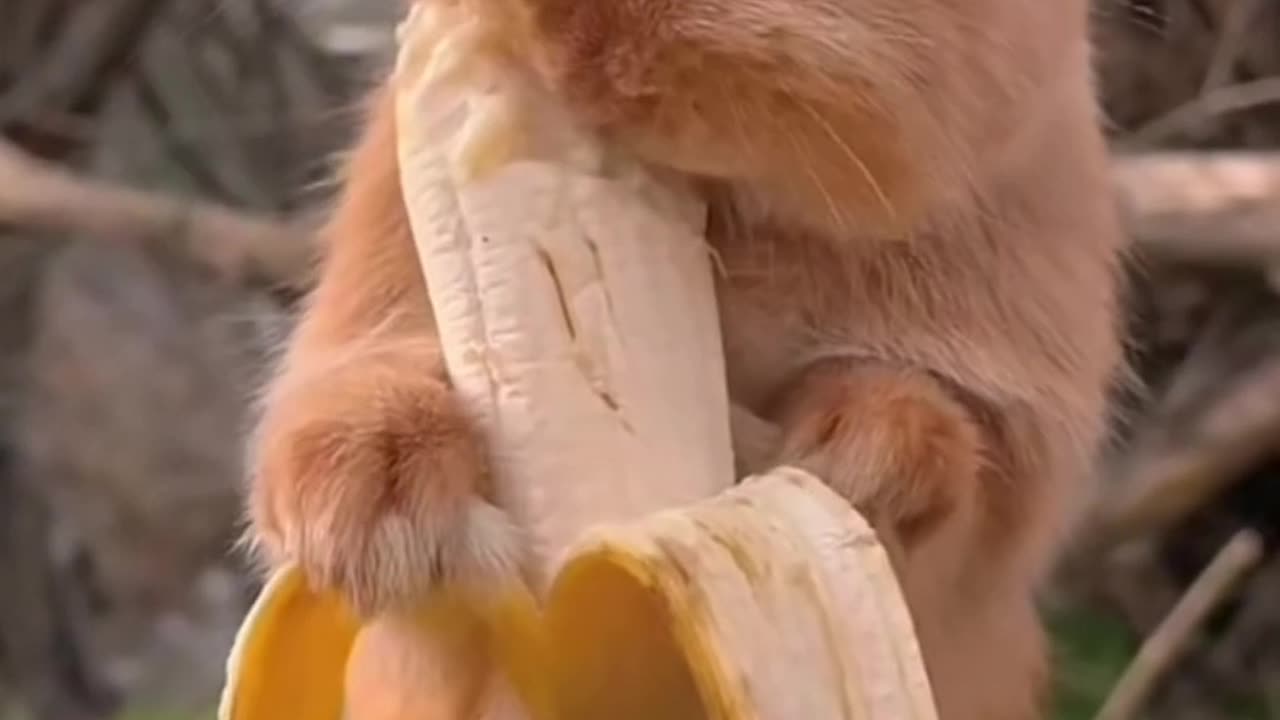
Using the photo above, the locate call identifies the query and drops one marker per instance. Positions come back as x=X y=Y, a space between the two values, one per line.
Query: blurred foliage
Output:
x=1091 y=650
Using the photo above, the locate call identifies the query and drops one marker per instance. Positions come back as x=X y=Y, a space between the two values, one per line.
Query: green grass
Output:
x=1091 y=650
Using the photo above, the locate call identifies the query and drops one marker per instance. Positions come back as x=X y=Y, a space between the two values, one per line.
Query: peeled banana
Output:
x=574 y=298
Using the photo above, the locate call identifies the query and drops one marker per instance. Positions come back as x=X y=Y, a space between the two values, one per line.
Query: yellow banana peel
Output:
x=291 y=652
x=771 y=601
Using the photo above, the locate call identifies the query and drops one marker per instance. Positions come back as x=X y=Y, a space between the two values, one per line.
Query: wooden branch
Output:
x=1166 y=645
x=1216 y=208
x=39 y=196
x=1166 y=476
x=1206 y=108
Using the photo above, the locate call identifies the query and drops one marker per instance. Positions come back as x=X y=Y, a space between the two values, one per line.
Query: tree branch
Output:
x=39 y=196
x=1166 y=645
x=1216 y=208
x=1173 y=467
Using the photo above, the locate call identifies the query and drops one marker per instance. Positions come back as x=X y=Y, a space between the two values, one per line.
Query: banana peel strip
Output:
x=290 y=654
x=770 y=601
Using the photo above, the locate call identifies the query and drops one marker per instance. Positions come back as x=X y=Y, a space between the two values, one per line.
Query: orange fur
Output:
x=911 y=201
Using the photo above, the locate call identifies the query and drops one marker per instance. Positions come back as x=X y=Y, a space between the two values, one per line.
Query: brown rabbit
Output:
x=910 y=198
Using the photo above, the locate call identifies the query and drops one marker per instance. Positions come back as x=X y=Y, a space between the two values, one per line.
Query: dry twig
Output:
x=39 y=196
x=1205 y=108
x=1207 y=207
x=1164 y=477
x=1166 y=645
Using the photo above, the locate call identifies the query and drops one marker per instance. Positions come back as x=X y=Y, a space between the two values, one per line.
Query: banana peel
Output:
x=771 y=601
x=290 y=654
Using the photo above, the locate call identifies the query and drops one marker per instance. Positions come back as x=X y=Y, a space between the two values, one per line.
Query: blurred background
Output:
x=161 y=163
